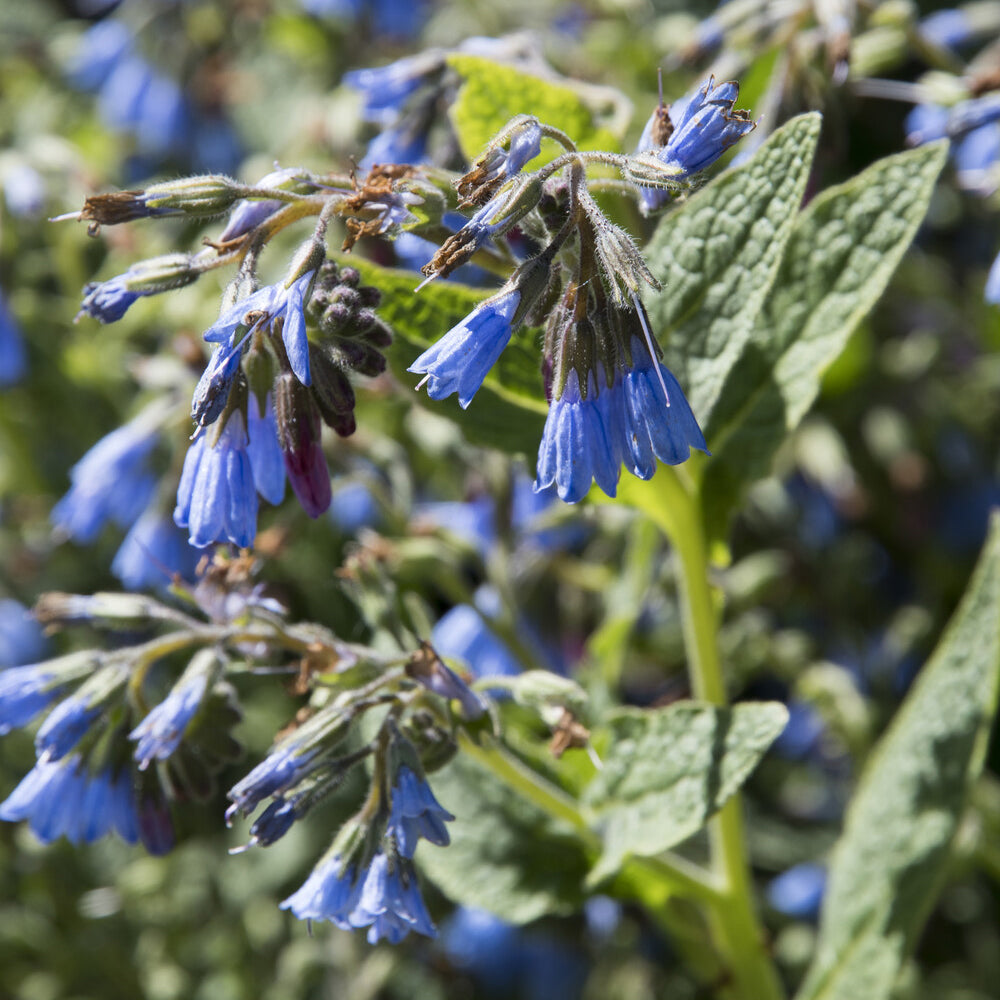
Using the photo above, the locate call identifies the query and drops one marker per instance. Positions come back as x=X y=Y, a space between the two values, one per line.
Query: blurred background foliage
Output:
x=845 y=563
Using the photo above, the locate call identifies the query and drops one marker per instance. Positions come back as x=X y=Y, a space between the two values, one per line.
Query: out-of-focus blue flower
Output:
x=101 y=48
x=803 y=734
x=353 y=506
x=992 y=292
x=950 y=29
x=23 y=190
x=392 y=18
x=215 y=146
x=416 y=813
x=603 y=915
x=461 y=633
x=384 y=89
x=216 y=498
x=395 y=144
x=485 y=946
x=62 y=798
x=264 y=450
x=474 y=521
x=13 y=358
x=153 y=552
x=273 y=302
x=160 y=732
x=459 y=361
x=704 y=125
x=111 y=482
x=799 y=891
x=24 y=693
x=21 y=637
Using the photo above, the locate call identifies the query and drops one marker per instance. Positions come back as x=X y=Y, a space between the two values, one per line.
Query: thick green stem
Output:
x=733 y=920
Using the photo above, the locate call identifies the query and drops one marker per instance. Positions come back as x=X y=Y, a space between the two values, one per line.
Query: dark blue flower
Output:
x=416 y=813
x=62 y=798
x=459 y=361
x=216 y=498
x=798 y=892
x=111 y=482
x=270 y=304
x=211 y=394
x=107 y=301
x=13 y=359
x=24 y=693
x=264 y=450
x=160 y=732
x=153 y=552
x=21 y=637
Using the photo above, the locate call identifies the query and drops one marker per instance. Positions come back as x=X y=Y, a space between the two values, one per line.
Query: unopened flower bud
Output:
x=212 y=392
x=332 y=391
x=300 y=434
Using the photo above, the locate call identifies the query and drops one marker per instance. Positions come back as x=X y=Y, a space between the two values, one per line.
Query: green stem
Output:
x=733 y=920
x=675 y=874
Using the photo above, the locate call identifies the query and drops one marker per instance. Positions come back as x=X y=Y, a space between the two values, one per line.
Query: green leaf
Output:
x=506 y=855
x=841 y=255
x=717 y=256
x=669 y=770
x=491 y=94
x=508 y=412
x=889 y=863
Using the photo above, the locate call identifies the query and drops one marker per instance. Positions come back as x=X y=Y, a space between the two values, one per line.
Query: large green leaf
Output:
x=508 y=412
x=506 y=855
x=889 y=863
x=841 y=255
x=668 y=771
x=491 y=94
x=717 y=256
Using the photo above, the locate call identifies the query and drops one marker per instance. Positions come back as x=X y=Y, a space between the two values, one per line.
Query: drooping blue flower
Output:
x=13 y=358
x=460 y=360
x=269 y=305
x=112 y=482
x=21 y=637
x=216 y=498
x=211 y=394
x=277 y=772
x=330 y=893
x=416 y=813
x=160 y=732
x=153 y=552
x=24 y=693
x=390 y=904
x=61 y=798
x=632 y=421
x=264 y=450
x=704 y=125
x=66 y=725
x=798 y=892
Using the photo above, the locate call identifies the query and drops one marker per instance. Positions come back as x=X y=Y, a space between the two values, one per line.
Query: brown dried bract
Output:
x=569 y=733
x=111 y=209
x=375 y=187
x=457 y=250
